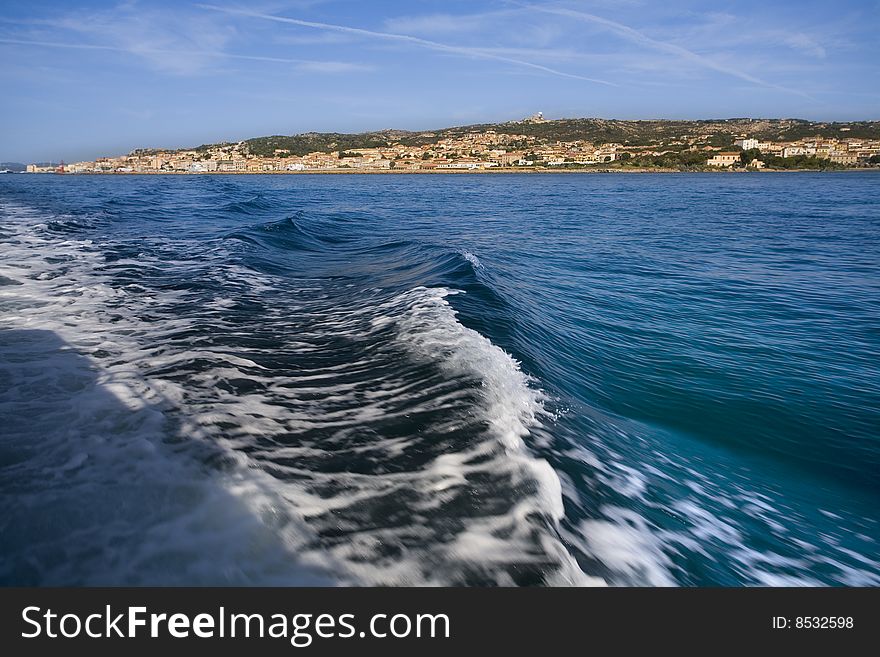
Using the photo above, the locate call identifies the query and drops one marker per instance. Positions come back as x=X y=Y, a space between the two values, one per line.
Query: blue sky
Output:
x=81 y=79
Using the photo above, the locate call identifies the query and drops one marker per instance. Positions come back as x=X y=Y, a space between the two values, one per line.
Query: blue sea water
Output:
x=455 y=380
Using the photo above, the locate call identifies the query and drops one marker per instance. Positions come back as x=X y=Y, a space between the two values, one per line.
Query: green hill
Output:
x=718 y=132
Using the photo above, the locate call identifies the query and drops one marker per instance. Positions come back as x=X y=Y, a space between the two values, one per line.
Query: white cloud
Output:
x=176 y=42
x=641 y=39
x=334 y=67
x=435 y=24
x=805 y=44
x=405 y=39
x=304 y=65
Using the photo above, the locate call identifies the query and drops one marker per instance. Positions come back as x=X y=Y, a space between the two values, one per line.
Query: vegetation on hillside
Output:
x=718 y=133
x=680 y=160
x=799 y=162
x=326 y=142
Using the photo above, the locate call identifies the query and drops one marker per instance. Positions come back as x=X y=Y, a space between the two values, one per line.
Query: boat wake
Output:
x=366 y=437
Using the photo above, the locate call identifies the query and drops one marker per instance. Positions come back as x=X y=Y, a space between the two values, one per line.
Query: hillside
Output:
x=720 y=132
x=652 y=131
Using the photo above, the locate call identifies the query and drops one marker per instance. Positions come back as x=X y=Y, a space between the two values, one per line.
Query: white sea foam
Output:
x=430 y=330
x=626 y=544
x=471 y=258
x=139 y=509
x=511 y=407
x=94 y=492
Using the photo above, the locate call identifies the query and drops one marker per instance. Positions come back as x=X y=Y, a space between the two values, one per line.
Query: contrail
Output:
x=635 y=36
x=53 y=44
x=405 y=38
x=163 y=51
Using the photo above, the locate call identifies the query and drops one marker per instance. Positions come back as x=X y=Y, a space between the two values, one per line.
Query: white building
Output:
x=724 y=159
x=746 y=144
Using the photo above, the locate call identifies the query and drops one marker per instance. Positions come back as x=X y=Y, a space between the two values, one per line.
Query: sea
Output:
x=453 y=380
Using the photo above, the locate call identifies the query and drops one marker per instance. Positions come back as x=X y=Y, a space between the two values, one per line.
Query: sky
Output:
x=84 y=79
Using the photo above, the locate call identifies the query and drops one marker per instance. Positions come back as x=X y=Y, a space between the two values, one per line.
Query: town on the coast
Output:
x=533 y=143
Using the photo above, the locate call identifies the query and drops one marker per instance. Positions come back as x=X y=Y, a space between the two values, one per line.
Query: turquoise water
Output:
x=517 y=379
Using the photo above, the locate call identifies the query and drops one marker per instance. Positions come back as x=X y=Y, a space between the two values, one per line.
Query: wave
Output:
x=335 y=248
x=255 y=205
x=375 y=437
x=292 y=233
x=471 y=258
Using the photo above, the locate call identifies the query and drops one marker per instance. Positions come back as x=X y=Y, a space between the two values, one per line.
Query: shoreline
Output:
x=492 y=171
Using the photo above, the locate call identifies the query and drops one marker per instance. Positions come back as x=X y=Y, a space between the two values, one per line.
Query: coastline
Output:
x=492 y=171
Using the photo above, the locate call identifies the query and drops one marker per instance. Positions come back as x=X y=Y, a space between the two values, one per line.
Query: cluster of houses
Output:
x=477 y=150
x=850 y=151
x=468 y=151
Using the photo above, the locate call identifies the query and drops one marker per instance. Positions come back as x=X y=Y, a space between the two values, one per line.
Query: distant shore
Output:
x=492 y=171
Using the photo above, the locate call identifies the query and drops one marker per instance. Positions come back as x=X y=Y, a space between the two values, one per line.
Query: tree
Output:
x=800 y=162
x=749 y=155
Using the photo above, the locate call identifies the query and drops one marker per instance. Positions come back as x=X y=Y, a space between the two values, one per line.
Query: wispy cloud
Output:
x=334 y=67
x=635 y=36
x=805 y=44
x=180 y=41
x=446 y=23
x=408 y=40
x=332 y=39
x=300 y=64
x=53 y=44
x=725 y=30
